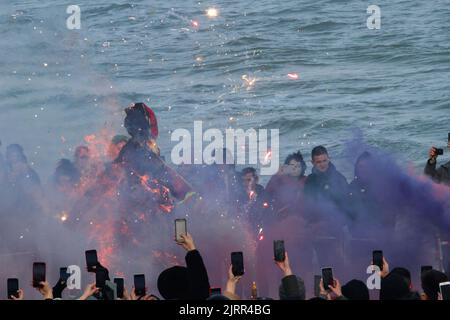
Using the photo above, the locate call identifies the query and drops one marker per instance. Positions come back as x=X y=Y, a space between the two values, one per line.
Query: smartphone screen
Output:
x=425 y=269
x=327 y=277
x=445 y=290
x=100 y=278
x=215 y=291
x=91 y=260
x=317 y=279
x=377 y=258
x=278 y=250
x=13 y=287
x=63 y=275
x=119 y=283
x=139 y=284
x=38 y=273
x=180 y=229
x=237 y=262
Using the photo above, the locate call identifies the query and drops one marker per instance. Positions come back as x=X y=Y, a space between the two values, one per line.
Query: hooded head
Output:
x=394 y=287
x=15 y=154
x=363 y=166
x=173 y=283
x=140 y=122
x=355 y=290
x=405 y=273
x=430 y=283
x=301 y=290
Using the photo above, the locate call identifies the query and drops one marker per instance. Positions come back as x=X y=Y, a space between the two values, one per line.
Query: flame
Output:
x=212 y=13
x=63 y=216
x=90 y=138
x=194 y=23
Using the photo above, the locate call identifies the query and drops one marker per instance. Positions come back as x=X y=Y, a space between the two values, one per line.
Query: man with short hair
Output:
x=325 y=182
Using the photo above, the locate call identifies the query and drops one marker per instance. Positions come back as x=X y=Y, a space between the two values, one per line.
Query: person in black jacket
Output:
x=190 y=282
x=440 y=175
x=325 y=182
x=292 y=287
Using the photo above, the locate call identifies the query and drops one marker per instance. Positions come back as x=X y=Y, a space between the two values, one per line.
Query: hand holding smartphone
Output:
x=279 y=252
x=120 y=285
x=237 y=263
x=180 y=229
x=377 y=259
x=139 y=285
x=38 y=273
x=91 y=260
x=13 y=288
x=327 y=278
x=101 y=276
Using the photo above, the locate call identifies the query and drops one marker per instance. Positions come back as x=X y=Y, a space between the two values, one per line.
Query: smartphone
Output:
x=317 y=279
x=278 y=250
x=63 y=275
x=425 y=269
x=119 y=284
x=448 y=138
x=237 y=262
x=215 y=291
x=13 y=287
x=327 y=278
x=38 y=273
x=439 y=151
x=139 y=284
x=180 y=229
x=377 y=258
x=91 y=260
x=100 y=278
x=444 y=287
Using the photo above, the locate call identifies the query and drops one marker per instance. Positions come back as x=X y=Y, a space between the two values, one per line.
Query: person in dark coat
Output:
x=325 y=182
x=252 y=198
x=183 y=283
x=440 y=175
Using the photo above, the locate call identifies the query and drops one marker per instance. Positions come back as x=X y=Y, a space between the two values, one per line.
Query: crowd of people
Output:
x=134 y=175
x=191 y=282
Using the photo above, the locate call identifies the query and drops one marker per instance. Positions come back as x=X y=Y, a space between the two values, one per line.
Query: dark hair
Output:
x=66 y=168
x=355 y=290
x=297 y=156
x=430 y=283
x=249 y=170
x=394 y=287
x=317 y=151
x=365 y=156
x=79 y=149
x=16 y=148
x=404 y=273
